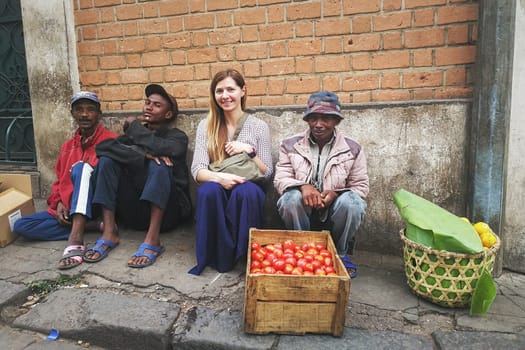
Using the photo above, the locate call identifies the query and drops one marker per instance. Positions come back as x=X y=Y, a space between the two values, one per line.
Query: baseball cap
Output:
x=85 y=95
x=324 y=102
x=157 y=89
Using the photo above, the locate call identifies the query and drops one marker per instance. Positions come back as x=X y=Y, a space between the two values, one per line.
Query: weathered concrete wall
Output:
x=52 y=70
x=420 y=147
x=514 y=223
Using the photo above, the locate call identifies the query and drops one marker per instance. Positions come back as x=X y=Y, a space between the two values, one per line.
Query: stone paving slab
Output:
x=11 y=339
x=492 y=323
x=389 y=290
x=357 y=339
x=203 y=328
x=478 y=340
x=11 y=293
x=106 y=319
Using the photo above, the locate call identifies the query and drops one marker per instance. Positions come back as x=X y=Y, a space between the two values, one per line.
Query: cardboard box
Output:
x=16 y=200
x=286 y=304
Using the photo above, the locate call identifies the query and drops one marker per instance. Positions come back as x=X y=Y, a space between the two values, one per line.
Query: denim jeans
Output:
x=344 y=216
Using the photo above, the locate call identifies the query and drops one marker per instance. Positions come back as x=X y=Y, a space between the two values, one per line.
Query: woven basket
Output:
x=445 y=278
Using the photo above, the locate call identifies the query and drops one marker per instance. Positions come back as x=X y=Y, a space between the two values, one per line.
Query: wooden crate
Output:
x=286 y=304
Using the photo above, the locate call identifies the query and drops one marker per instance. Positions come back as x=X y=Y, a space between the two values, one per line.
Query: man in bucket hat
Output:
x=322 y=177
x=69 y=204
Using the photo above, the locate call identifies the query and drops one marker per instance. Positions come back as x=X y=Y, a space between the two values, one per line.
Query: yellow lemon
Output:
x=482 y=228
x=488 y=239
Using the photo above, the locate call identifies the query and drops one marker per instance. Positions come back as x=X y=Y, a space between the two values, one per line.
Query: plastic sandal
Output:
x=98 y=248
x=73 y=252
x=350 y=267
x=151 y=257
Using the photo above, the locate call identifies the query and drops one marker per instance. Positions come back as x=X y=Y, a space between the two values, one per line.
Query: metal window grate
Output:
x=17 y=145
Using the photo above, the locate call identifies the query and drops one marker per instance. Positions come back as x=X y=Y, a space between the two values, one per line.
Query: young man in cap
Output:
x=322 y=178
x=152 y=195
x=69 y=205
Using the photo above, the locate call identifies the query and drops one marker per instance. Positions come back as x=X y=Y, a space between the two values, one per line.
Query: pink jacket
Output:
x=345 y=170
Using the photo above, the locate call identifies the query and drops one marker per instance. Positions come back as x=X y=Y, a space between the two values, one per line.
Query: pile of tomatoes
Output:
x=289 y=258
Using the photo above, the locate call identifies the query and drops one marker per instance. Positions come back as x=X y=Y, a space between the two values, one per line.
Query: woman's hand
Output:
x=226 y=180
x=229 y=181
x=234 y=147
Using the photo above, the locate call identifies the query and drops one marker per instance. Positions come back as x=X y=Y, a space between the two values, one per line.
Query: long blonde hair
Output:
x=217 y=131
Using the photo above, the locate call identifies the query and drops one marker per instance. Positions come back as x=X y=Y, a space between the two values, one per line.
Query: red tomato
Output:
x=325 y=252
x=288 y=244
x=269 y=270
x=278 y=246
x=255 y=245
x=266 y=263
x=287 y=255
x=297 y=271
x=320 y=272
x=308 y=267
x=292 y=261
x=319 y=257
x=311 y=251
x=288 y=251
x=309 y=257
x=269 y=247
x=278 y=252
x=278 y=264
x=301 y=263
x=279 y=272
x=329 y=269
x=270 y=256
x=255 y=264
x=308 y=273
x=317 y=264
x=257 y=256
x=305 y=247
x=328 y=262
x=320 y=246
x=299 y=254
x=288 y=268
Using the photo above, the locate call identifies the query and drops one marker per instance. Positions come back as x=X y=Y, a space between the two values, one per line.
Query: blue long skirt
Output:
x=223 y=220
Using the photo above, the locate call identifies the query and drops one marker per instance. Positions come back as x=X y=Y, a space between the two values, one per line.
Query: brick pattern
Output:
x=366 y=51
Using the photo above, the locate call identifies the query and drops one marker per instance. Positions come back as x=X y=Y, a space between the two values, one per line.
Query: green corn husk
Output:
x=430 y=225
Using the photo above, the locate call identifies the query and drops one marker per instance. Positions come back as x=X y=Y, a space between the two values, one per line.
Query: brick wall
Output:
x=365 y=50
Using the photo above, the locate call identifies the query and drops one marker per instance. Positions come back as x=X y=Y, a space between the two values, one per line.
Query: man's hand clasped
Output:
x=315 y=199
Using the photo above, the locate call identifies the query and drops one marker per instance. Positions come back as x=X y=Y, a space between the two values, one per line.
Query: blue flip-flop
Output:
x=98 y=248
x=152 y=257
x=350 y=267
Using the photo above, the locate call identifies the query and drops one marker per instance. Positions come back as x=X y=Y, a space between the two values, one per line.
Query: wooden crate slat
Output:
x=287 y=304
